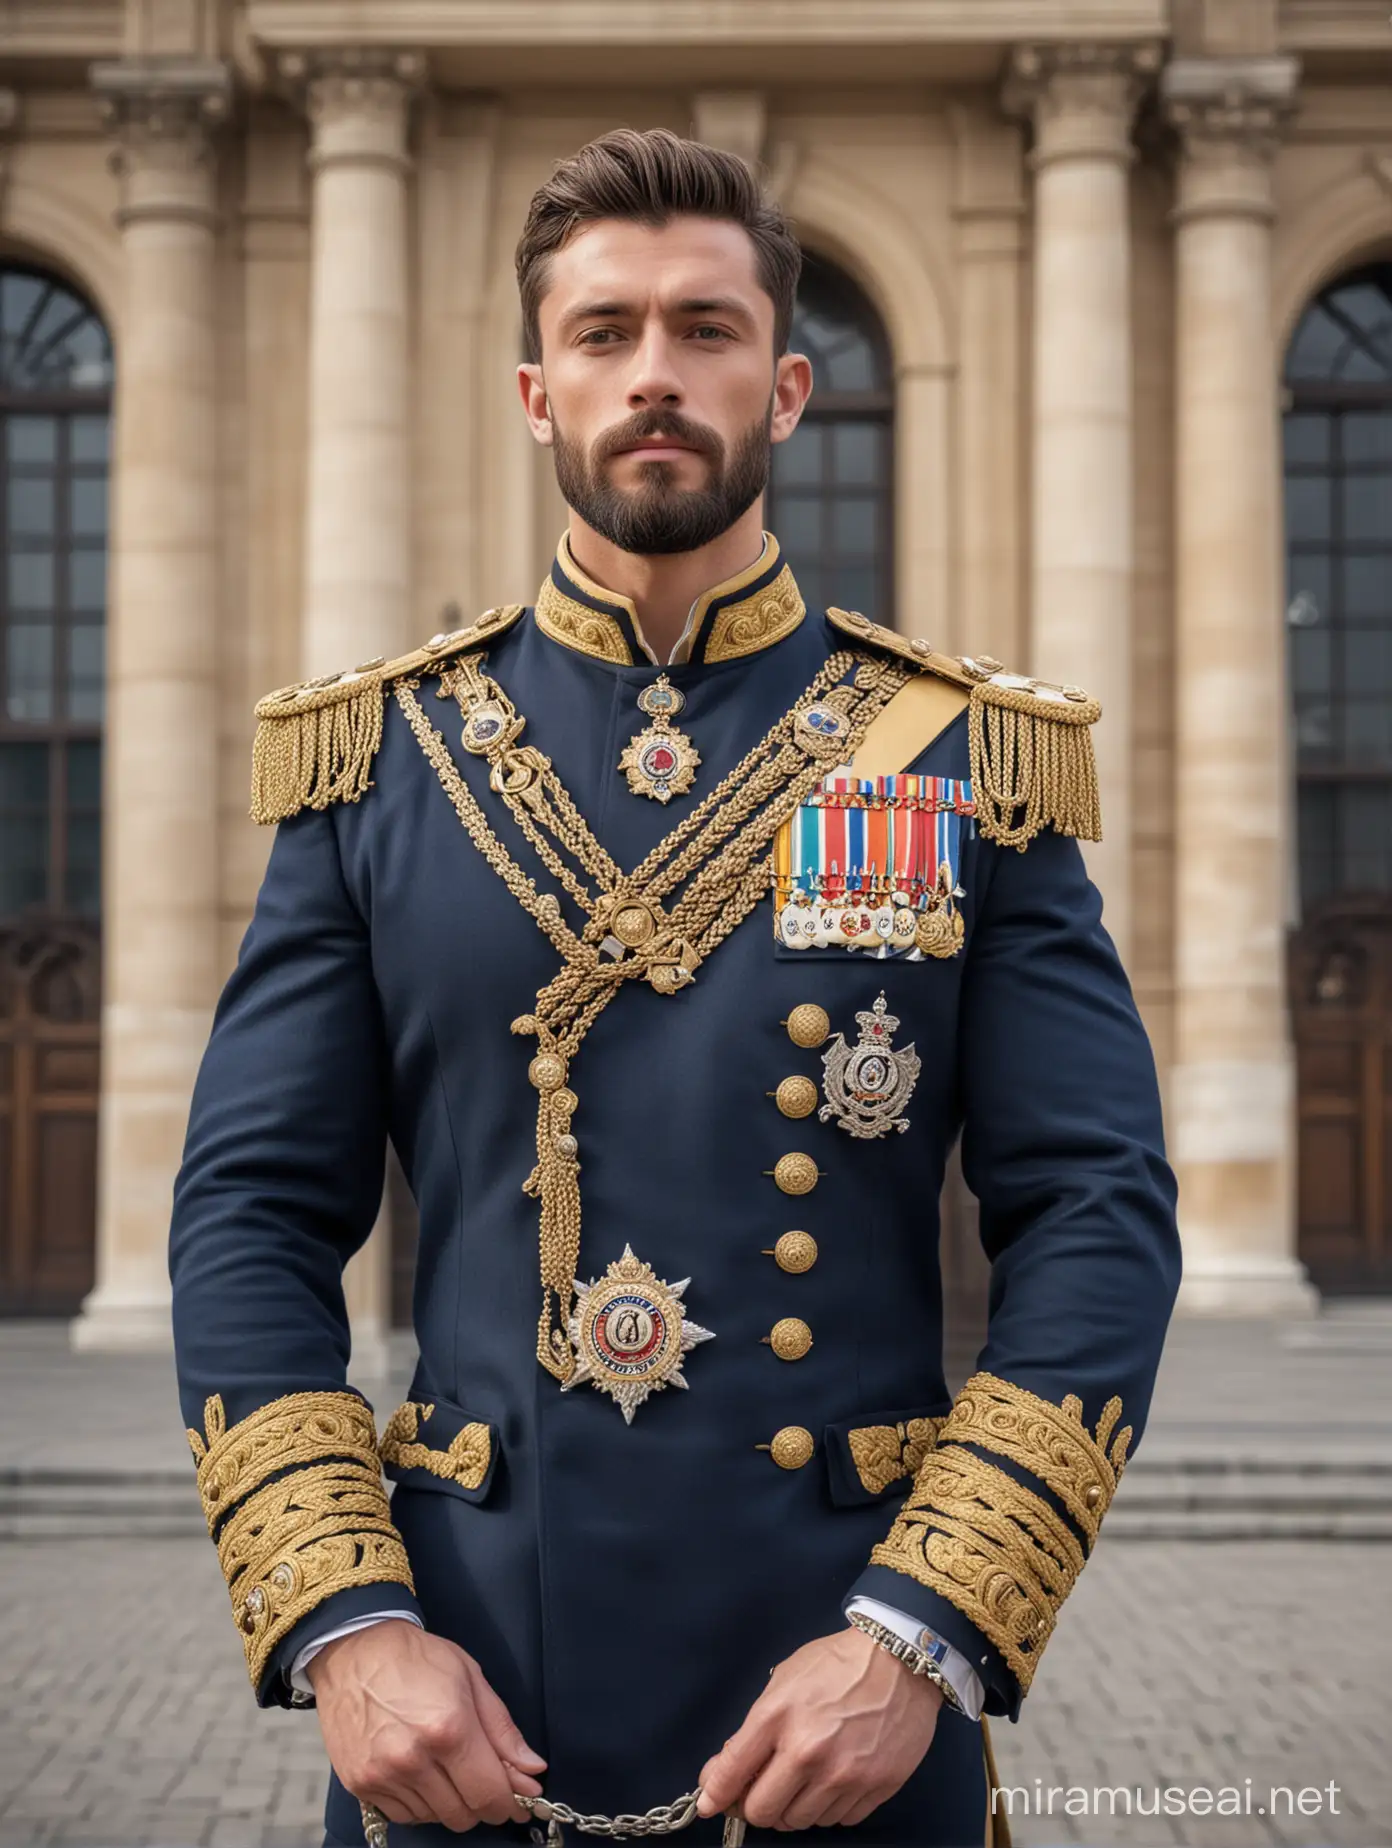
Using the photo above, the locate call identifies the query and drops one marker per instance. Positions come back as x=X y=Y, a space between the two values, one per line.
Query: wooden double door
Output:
x=50 y=1013
x=1341 y=997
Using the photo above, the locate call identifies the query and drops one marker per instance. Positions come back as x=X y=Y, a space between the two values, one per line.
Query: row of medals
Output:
x=629 y=1329
x=661 y=762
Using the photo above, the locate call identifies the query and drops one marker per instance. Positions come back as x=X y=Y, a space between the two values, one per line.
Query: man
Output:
x=681 y=1496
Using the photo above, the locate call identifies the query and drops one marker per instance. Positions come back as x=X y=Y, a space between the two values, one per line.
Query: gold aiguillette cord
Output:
x=634 y=928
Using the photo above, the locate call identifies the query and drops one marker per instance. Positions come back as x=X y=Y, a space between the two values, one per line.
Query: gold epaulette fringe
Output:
x=316 y=742
x=1032 y=762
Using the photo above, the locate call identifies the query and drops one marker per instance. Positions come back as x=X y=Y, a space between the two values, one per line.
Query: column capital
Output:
x=358 y=99
x=1229 y=114
x=1080 y=97
x=1232 y=100
x=161 y=113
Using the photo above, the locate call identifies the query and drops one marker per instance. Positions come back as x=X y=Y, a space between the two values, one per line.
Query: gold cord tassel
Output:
x=315 y=745
x=555 y=1183
x=1032 y=763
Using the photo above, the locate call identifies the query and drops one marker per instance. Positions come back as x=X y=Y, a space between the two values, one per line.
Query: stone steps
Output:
x=1215 y=1497
x=1164 y=1497
x=63 y=1504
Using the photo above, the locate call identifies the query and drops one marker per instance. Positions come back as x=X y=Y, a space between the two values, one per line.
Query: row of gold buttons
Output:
x=795 y=1174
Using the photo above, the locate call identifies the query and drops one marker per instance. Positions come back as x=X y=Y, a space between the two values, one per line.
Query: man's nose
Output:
x=654 y=378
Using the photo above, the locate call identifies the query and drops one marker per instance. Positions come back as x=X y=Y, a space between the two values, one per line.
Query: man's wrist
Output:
x=917 y=1661
x=957 y=1670
x=314 y=1654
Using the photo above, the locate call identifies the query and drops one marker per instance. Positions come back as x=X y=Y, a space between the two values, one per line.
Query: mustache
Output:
x=651 y=423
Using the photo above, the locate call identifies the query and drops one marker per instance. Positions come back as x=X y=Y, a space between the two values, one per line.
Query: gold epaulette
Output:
x=1032 y=762
x=315 y=742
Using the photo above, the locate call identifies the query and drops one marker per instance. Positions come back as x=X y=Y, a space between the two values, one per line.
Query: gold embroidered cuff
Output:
x=988 y=1543
x=302 y=1428
x=295 y=1497
x=1050 y=1441
x=991 y=1547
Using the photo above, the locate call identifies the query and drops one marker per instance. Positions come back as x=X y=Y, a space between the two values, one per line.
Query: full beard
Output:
x=658 y=517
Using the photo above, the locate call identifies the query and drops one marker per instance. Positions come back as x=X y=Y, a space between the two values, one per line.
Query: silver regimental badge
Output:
x=868 y=1084
x=629 y=1332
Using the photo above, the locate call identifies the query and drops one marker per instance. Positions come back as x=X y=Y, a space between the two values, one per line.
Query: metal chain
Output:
x=721 y=847
x=661 y=1819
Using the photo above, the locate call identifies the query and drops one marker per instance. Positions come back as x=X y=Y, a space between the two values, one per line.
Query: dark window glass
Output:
x=831 y=493
x=23 y=826
x=55 y=381
x=1338 y=488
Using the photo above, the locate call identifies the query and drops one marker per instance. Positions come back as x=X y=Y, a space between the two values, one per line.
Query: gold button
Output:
x=795 y=1174
x=789 y=1338
x=808 y=1025
x=795 y=1251
x=791 y=1447
x=1093 y=1495
x=796 y=1097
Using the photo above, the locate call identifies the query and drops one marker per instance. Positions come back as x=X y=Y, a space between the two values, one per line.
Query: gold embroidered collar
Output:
x=748 y=612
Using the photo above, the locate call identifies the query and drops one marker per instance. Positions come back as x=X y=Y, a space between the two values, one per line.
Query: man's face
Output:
x=658 y=388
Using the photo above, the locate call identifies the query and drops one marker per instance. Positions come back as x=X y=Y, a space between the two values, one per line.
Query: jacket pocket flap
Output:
x=878 y=1451
x=436 y=1445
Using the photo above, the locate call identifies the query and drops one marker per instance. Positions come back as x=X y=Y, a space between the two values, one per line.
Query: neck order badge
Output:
x=660 y=761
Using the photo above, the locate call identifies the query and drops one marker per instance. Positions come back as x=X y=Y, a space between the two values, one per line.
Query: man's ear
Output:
x=792 y=387
x=535 y=403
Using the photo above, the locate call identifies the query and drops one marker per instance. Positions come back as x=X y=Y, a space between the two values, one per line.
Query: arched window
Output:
x=1338 y=467
x=831 y=497
x=55 y=394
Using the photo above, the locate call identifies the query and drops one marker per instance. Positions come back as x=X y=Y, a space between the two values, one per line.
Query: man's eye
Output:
x=599 y=336
x=710 y=334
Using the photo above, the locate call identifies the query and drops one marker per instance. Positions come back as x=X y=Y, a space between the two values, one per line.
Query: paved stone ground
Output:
x=125 y=1716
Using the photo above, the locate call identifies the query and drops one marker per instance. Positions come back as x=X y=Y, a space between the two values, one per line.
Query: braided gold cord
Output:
x=721 y=847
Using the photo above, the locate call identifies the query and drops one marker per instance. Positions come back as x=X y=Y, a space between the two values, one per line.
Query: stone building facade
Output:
x=1075 y=266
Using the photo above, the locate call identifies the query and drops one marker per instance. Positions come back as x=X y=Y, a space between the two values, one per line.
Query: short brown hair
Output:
x=652 y=175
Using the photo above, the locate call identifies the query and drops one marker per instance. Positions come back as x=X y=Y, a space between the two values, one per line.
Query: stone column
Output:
x=357 y=515
x=1081 y=99
x=1231 y=1090
x=357 y=548
x=989 y=209
x=160 y=884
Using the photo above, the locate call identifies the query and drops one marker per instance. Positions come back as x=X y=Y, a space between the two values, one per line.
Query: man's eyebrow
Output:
x=715 y=304
x=609 y=309
x=585 y=311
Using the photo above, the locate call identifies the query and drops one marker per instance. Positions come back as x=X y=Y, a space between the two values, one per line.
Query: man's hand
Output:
x=838 y=1729
x=413 y=1727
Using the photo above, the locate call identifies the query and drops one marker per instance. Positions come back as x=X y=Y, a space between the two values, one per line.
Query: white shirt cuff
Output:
x=301 y=1682
x=957 y=1671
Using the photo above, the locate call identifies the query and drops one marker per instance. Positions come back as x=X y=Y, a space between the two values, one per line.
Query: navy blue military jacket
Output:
x=626 y=1586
